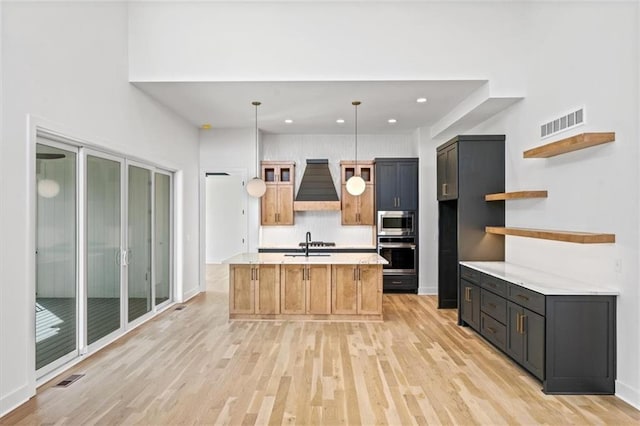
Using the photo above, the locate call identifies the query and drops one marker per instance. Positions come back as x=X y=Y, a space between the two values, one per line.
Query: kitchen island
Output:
x=321 y=286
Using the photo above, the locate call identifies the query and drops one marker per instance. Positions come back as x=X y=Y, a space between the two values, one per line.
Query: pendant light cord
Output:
x=355 y=104
x=256 y=104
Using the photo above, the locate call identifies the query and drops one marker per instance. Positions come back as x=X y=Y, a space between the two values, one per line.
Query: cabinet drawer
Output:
x=494 y=306
x=470 y=274
x=493 y=331
x=527 y=298
x=400 y=282
x=494 y=284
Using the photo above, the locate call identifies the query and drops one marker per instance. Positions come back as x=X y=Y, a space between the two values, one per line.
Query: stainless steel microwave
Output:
x=396 y=223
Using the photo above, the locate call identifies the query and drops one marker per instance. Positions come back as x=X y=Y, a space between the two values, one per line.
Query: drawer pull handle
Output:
x=522 y=296
x=491 y=330
x=492 y=285
x=493 y=305
x=396 y=282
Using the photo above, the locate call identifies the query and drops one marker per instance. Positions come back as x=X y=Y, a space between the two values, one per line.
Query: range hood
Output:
x=317 y=191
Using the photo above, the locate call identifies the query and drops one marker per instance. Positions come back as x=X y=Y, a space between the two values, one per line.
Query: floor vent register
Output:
x=69 y=380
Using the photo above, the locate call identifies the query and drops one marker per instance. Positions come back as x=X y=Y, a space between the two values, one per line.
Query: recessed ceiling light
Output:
x=288 y=121
x=392 y=121
x=206 y=126
x=340 y=121
x=421 y=100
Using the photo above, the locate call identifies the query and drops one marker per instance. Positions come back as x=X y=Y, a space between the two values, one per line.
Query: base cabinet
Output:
x=525 y=338
x=254 y=289
x=566 y=341
x=306 y=289
x=470 y=304
x=357 y=289
x=321 y=291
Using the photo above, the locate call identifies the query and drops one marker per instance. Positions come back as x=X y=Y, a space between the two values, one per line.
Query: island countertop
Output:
x=313 y=258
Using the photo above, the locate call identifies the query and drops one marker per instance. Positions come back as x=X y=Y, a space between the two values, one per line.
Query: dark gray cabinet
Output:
x=525 y=338
x=470 y=304
x=396 y=183
x=468 y=168
x=566 y=341
x=447 y=172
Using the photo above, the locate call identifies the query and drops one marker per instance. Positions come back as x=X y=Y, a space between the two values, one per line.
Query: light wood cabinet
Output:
x=370 y=290
x=356 y=289
x=254 y=289
x=306 y=289
x=358 y=210
x=277 y=202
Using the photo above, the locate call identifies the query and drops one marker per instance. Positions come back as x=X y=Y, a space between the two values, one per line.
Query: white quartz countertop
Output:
x=318 y=248
x=539 y=281
x=314 y=258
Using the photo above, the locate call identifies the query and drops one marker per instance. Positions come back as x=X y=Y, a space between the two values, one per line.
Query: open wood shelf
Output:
x=303 y=206
x=573 y=143
x=567 y=236
x=515 y=195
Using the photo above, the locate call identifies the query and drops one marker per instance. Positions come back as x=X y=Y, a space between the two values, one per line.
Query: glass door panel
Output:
x=104 y=232
x=139 y=242
x=56 y=254
x=162 y=237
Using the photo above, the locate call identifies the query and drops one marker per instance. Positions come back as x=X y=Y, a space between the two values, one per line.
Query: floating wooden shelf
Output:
x=567 y=236
x=515 y=195
x=573 y=143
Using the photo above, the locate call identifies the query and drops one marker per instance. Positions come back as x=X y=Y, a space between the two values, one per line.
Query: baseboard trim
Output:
x=14 y=399
x=188 y=296
x=628 y=394
x=428 y=289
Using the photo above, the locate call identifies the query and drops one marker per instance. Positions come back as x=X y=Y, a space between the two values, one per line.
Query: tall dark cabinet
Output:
x=468 y=168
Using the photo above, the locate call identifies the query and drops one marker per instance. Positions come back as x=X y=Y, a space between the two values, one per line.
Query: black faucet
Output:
x=307 y=240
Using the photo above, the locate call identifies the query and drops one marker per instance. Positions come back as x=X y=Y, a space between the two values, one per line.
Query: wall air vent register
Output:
x=568 y=121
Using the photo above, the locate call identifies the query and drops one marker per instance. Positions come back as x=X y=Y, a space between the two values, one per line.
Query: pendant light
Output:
x=256 y=186
x=355 y=184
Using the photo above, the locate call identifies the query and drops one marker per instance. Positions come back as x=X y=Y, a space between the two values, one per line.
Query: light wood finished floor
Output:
x=418 y=367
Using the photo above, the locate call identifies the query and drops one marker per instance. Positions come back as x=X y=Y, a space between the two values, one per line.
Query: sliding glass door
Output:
x=104 y=245
x=56 y=256
x=104 y=259
x=162 y=237
x=138 y=258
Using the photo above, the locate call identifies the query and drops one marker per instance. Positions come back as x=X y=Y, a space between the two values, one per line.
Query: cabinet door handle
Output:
x=522 y=320
x=444 y=189
x=522 y=296
x=253 y=275
x=518 y=323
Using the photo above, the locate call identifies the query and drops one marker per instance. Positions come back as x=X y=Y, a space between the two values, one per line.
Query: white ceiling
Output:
x=313 y=106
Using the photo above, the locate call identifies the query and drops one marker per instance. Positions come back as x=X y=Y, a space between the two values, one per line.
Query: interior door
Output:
x=104 y=181
x=139 y=247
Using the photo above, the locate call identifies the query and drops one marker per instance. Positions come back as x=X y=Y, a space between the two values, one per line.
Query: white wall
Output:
x=225 y=217
x=558 y=54
x=326 y=225
x=67 y=64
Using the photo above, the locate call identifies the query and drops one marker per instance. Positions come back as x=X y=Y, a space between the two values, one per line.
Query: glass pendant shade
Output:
x=256 y=187
x=48 y=188
x=355 y=185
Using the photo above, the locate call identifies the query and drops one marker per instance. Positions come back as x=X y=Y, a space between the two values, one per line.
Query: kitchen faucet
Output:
x=307 y=240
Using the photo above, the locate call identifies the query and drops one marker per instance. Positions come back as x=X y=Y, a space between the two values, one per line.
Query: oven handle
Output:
x=384 y=245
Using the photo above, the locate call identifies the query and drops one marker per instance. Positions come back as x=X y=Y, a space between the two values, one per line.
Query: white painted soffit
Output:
x=475 y=109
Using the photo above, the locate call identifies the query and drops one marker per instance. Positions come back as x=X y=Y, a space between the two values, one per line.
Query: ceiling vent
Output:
x=560 y=124
x=317 y=190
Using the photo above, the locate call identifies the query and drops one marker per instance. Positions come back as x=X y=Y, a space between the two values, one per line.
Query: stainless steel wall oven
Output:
x=401 y=254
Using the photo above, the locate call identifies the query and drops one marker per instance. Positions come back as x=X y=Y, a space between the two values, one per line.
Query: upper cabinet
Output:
x=358 y=210
x=277 y=203
x=447 y=176
x=396 y=183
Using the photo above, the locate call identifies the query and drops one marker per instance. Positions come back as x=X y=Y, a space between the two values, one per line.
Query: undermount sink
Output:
x=304 y=255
